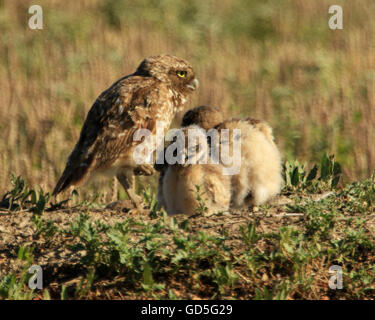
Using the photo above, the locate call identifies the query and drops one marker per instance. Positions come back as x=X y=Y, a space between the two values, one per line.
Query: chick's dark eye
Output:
x=181 y=74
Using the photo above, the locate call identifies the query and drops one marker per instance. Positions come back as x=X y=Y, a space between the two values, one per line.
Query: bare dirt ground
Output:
x=62 y=266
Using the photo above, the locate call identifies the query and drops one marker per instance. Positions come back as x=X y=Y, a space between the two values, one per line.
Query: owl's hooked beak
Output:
x=194 y=84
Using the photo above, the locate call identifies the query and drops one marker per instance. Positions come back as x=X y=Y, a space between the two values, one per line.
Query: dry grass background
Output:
x=275 y=60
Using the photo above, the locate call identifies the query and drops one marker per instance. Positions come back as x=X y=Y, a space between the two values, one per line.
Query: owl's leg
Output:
x=114 y=190
x=129 y=187
x=160 y=195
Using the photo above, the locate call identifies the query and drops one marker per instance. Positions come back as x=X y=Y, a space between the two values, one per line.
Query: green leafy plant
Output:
x=23 y=197
x=280 y=292
x=297 y=177
x=151 y=202
x=148 y=282
x=90 y=239
x=249 y=234
x=224 y=276
x=201 y=208
x=14 y=286
x=44 y=228
x=84 y=285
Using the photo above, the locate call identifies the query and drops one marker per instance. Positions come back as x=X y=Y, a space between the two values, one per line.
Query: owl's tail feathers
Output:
x=70 y=177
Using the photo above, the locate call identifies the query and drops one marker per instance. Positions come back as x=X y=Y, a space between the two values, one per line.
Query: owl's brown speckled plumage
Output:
x=158 y=89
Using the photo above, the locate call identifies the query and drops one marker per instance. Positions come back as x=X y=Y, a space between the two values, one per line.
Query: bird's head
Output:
x=206 y=117
x=194 y=148
x=174 y=71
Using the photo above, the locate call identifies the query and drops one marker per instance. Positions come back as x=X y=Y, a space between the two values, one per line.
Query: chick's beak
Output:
x=193 y=84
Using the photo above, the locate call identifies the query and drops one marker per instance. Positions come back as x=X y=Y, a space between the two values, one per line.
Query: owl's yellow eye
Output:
x=181 y=74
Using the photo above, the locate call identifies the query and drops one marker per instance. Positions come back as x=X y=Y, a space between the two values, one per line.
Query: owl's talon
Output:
x=127 y=206
x=121 y=205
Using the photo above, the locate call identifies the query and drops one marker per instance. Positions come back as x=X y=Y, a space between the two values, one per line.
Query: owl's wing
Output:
x=109 y=126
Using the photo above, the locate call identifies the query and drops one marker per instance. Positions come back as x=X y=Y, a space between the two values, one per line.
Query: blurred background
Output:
x=273 y=60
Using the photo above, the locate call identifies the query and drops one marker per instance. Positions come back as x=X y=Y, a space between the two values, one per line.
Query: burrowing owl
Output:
x=260 y=176
x=158 y=89
x=205 y=117
x=184 y=183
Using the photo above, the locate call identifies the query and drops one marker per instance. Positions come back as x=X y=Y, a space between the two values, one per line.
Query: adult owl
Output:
x=158 y=89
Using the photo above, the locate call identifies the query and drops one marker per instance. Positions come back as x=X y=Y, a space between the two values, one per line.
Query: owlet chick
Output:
x=183 y=183
x=260 y=176
x=205 y=117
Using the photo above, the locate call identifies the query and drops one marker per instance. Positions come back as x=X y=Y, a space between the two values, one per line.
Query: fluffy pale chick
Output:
x=206 y=117
x=260 y=177
x=180 y=181
x=158 y=89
